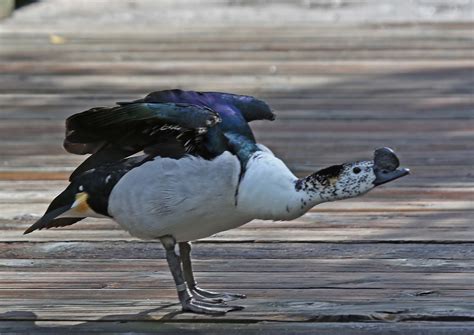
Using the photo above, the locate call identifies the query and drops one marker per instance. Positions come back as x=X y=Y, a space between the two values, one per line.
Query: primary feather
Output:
x=168 y=123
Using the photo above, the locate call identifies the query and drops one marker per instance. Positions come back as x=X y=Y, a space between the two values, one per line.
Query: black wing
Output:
x=249 y=107
x=113 y=133
x=166 y=123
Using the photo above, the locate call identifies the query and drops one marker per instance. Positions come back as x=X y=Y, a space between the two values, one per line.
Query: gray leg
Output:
x=188 y=302
x=185 y=252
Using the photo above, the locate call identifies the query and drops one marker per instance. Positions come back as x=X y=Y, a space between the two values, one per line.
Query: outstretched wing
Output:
x=167 y=123
x=113 y=133
x=249 y=107
x=233 y=133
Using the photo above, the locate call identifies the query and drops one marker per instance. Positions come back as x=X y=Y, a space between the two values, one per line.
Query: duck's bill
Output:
x=384 y=176
x=386 y=165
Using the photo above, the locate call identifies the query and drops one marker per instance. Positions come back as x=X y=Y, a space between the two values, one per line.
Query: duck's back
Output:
x=188 y=198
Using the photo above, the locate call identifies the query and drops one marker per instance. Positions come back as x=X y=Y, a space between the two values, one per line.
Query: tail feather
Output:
x=61 y=204
x=47 y=219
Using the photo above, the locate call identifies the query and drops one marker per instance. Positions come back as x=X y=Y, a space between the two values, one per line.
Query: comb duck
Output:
x=177 y=166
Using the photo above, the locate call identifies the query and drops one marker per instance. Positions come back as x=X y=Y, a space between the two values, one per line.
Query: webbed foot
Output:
x=211 y=308
x=215 y=296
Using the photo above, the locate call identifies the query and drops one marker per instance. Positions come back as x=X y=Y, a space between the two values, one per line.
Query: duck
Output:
x=177 y=166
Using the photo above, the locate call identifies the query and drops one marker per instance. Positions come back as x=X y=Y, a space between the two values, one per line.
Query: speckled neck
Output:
x=317 y=188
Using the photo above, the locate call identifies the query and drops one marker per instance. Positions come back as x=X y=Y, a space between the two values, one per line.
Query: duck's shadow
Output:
x=27 y=322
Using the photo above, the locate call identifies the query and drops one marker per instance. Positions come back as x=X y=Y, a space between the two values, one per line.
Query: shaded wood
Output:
x=237 y=265
x=341 y=295
x=208 y=250
x=257 y=309
x=376 y=235
x=237 y=280
x=235 y=67
x=315 y=219
x=216 y=55
x=222 y=328
x=309 y=40
x=89 y=84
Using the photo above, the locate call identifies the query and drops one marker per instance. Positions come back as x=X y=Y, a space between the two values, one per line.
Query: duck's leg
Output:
x=188 y=302
x=185 y=252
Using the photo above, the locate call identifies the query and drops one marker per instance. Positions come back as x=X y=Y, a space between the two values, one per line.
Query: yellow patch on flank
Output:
x=80 y=205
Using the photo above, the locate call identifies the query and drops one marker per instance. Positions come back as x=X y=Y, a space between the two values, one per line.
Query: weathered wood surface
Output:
x=264 y=328
x=399 y=260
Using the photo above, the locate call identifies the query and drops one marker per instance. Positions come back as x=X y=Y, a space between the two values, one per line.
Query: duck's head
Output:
x=349 y=180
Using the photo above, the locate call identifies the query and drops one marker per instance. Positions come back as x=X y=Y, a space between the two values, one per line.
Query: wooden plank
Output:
x=371 y=42
x=274 y=38
x=329 y=294
x=315 y=219
x=263 y=310
x=355 y=264
x=203 y=33
x=142 y=83
x=237 y=280
x=237 y=250
x=199 y=31
x=374 y=235
x=303 y=55
x=438 y=227
x=343 y=69
x=286 y=100
x=200 y=28
x=313 y=227
x=223 y=328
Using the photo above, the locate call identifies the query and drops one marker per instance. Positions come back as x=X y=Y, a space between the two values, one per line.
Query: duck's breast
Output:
x=188 y=198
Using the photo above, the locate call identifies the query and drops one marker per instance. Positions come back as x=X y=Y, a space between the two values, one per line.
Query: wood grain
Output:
x=223 y=328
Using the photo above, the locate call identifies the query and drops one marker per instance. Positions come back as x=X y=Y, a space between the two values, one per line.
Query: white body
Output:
x=192 y=198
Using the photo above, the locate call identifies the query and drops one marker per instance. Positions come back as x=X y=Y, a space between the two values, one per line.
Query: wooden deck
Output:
x=399 y=260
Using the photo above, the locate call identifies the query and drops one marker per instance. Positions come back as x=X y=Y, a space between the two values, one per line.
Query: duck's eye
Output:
x=356 y=170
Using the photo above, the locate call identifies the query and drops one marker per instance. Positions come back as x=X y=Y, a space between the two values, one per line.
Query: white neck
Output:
x=268 y=190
